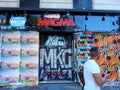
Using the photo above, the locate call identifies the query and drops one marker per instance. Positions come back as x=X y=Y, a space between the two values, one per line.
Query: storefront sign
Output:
x=55 y=22
x=17 y=21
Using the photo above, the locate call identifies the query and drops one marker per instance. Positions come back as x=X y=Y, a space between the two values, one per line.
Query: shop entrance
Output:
x=55 y=57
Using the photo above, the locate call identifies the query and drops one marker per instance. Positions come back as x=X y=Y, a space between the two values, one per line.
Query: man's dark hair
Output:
x=94 y=51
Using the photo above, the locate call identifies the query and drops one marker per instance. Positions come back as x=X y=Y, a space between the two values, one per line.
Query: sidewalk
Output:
x=45 y=86
x=53 y=86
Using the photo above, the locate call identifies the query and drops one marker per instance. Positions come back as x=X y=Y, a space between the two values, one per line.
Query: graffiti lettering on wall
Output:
x=108 y=44
x=55 y=64
x=55 y=41
x=55 y=57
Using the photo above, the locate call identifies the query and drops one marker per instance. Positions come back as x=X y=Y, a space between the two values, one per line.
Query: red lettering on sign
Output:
x=87 y=32
x=55 y=22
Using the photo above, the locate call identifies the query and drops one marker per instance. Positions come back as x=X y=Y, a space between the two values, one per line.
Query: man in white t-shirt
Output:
x=92 y=76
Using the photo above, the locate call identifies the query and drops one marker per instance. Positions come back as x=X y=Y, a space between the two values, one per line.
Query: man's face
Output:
x=98 y=55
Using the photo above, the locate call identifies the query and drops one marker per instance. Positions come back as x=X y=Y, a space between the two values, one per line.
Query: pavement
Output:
x=44 y=86
x=55 y=86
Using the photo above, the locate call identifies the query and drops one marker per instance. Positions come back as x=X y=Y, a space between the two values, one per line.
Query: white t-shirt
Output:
x=90 y=67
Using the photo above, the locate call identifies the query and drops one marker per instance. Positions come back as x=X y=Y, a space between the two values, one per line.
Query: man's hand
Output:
x=107 y=74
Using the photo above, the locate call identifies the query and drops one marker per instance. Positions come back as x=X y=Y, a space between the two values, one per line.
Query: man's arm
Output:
x=99 y=79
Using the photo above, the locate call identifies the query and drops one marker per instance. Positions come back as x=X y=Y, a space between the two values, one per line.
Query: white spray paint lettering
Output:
x=52 y=55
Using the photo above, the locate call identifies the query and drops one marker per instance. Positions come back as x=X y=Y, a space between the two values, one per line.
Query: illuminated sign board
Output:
x=55 y=22
x=17 y=21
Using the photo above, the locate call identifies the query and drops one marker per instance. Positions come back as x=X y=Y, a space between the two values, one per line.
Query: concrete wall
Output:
x=54 y=86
